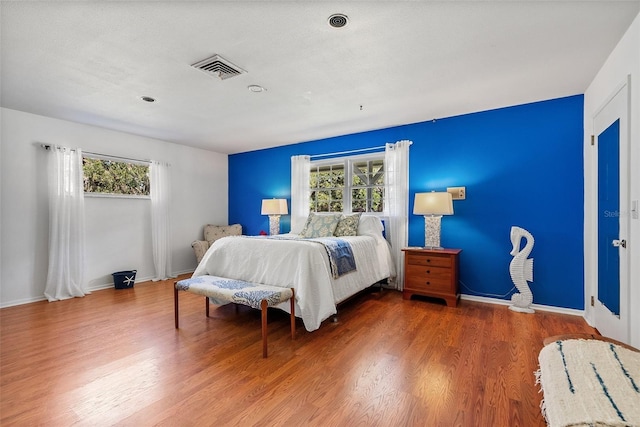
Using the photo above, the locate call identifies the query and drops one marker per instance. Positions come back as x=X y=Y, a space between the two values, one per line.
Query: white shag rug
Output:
x=589 y=383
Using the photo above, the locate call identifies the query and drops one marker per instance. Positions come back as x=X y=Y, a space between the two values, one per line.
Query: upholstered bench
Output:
x=220 y=290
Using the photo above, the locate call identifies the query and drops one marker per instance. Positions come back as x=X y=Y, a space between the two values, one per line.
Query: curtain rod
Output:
x=338 y=153
x=48 y=146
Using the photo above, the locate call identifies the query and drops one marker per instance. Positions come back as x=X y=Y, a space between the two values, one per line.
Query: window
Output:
x=327 y=188
x=115 y=177
x=352 y=184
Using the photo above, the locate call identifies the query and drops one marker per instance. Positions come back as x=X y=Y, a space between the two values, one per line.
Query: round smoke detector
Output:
x=255 y=88
x=338 y=20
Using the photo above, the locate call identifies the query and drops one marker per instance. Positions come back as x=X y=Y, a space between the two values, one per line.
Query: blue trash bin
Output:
x=124 y=279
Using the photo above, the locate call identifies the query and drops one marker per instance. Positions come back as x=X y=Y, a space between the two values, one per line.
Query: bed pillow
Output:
x=320 y=225
x=348 y=225
x=370 y=225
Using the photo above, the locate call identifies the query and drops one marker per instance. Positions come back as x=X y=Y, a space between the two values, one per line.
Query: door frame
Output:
x=591 y=214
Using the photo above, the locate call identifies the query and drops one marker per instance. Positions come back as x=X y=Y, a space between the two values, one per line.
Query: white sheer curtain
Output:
x=160 y=180
x=65 y=274
x=396 y=161
x=300 y=171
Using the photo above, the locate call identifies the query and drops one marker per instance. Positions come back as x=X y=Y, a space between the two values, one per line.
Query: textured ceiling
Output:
x=403 y=62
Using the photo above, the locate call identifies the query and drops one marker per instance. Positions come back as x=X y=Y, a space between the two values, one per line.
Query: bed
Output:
x=290 y=261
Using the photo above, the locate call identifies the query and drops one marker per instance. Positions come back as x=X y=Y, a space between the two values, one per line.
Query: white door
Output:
x=611 y=130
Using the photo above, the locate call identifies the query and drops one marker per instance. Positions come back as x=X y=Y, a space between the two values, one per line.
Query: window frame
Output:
x=348 y=165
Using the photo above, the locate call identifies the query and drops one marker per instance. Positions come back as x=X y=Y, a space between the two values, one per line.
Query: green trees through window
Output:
x=115 y=177
x=367 y=186
x=327 y=188
x=348 y=185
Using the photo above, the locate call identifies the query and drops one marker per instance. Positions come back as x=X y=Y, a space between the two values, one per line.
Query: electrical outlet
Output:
x=457 y=193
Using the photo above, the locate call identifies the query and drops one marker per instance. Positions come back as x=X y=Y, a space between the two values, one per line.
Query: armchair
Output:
x=211 y=234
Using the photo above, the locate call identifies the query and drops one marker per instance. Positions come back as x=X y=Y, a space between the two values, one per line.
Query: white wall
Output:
x=623 y=61
x=118 y=235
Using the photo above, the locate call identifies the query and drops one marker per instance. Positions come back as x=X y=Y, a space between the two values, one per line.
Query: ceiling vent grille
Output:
x=338 y=20
x=219 y=67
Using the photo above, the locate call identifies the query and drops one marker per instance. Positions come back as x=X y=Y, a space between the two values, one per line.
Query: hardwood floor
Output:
x=114 y=358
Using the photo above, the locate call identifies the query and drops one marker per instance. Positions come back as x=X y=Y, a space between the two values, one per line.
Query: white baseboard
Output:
x=92 y=288
x=487 y=300
x=540 y=307
x=22 y=301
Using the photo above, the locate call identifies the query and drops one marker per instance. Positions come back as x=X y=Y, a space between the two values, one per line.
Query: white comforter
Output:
x=301 y=265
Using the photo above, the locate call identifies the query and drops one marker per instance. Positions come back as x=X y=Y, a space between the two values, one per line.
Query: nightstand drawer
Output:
x=430 y=272
x=428 y=259
x=426 y=284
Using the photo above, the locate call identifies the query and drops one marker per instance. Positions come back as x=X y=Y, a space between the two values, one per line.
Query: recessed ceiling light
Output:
x=255 y=88
x=148 y=99
x=338 y=20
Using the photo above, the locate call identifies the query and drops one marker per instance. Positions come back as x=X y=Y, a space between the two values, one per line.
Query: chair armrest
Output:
x=200 y=248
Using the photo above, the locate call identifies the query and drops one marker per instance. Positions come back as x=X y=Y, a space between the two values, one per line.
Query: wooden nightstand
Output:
x=432 y=273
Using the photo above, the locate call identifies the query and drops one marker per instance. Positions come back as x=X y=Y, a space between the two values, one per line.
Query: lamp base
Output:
x=432 y=231
x=274 y=225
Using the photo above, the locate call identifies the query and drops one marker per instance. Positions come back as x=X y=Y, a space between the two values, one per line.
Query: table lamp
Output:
x=274 y=208
x=432 y=205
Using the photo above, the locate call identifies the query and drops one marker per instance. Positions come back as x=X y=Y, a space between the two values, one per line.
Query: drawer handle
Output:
x=428 y=283
x=428 y=271
x=428 y=259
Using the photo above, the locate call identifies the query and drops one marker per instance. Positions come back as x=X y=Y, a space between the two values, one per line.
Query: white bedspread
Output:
x=301 y=265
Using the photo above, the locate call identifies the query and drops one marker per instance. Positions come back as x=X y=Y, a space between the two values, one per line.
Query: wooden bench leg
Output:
x=175 y=303
x=263 y=308
x=293 y=314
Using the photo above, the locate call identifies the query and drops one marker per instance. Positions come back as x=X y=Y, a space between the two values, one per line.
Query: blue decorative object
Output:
x=124 y=279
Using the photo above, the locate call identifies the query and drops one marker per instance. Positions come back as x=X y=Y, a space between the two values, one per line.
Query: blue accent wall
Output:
x=521 y=165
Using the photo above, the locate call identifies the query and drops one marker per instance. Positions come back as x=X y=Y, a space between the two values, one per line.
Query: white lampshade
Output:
x=433 y=203
x=274 y=207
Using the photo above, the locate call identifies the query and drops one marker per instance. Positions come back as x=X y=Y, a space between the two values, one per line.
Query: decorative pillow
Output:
x=321 y=225
x=306 y=224
x=348 y=225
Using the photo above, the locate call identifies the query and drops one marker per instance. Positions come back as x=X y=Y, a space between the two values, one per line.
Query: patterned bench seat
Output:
x=221 y=290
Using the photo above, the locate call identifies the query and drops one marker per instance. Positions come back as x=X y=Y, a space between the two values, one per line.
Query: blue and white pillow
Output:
x=320 y=225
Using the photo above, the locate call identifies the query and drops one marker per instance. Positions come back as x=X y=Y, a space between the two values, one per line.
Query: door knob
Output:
x=616 y=243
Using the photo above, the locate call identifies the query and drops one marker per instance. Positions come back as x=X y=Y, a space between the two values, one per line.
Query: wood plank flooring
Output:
x=114 y=358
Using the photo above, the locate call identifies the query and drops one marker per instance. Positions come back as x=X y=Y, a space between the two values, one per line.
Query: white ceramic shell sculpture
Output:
x=521 y=270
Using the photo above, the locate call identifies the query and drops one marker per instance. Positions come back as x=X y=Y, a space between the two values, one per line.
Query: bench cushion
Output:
x=222 y=291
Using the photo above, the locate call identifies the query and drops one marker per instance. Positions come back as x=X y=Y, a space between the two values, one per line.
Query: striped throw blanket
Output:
x=589 y=383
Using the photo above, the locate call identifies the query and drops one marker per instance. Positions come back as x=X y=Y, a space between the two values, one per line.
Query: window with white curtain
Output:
x=348 y=184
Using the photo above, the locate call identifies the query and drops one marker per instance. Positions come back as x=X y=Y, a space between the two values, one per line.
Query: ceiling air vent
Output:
x=338 y=20
x=218 y=67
